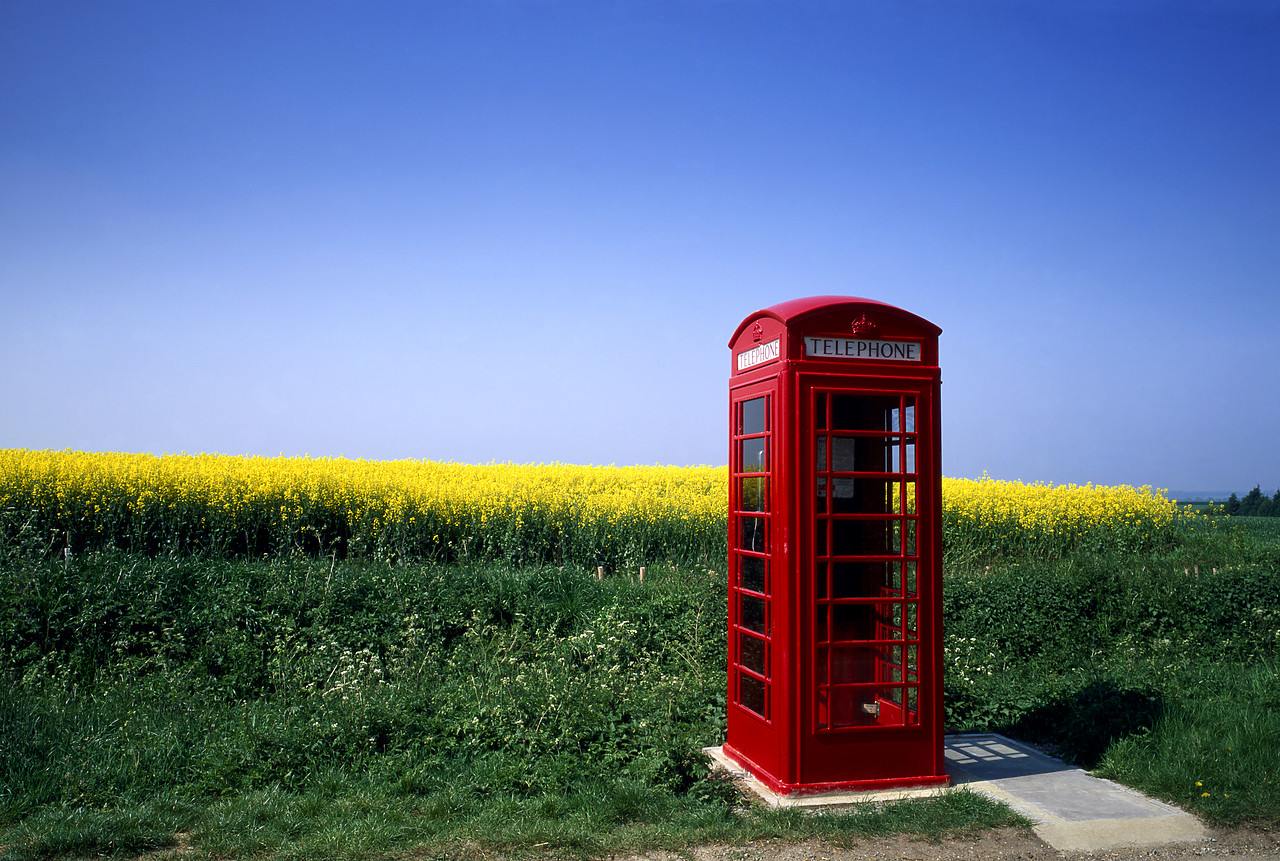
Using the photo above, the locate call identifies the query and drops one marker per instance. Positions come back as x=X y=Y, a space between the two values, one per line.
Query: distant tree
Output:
x=1252 y=502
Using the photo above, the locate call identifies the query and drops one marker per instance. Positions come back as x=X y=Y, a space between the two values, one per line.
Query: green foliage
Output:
x=1226 y=735
x=233 y=676
x=304 y=706
x=1264 y=528
x=1254 y=504
x=1138 y=665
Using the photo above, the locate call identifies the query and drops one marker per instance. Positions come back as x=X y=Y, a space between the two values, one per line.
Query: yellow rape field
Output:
x=385 y=509
x=590 y=515
x=986 y=517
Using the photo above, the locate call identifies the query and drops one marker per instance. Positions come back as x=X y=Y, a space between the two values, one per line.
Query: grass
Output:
x=357 y=823
x=301 y=707
x=1227 y=737
x=298 y=707
x=1162 y=671
x=1267 y=528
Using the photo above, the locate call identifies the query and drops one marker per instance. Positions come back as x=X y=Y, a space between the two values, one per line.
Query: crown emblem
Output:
x=864 y=325
x=757 y=332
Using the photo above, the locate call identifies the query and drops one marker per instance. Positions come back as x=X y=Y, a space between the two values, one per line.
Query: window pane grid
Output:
x=866 y=525
x=752 y=524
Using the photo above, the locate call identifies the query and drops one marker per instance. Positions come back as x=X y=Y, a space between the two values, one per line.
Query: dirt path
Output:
x=1003 y=845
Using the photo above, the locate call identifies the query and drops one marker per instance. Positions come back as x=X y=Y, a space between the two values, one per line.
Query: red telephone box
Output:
x=835 y=548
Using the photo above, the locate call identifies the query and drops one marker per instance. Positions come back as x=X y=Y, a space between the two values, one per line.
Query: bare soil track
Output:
x=1009 y=844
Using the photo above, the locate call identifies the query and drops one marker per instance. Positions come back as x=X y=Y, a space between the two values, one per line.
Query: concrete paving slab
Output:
x=1073 y=810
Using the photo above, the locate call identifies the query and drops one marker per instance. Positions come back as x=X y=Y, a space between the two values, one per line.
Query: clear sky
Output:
x=524 y=230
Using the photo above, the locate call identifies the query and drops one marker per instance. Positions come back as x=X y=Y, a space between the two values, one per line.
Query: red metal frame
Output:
x=835 y=601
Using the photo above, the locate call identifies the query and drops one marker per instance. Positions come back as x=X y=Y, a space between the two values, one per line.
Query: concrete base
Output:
x=819 y=801
x=1073 y=810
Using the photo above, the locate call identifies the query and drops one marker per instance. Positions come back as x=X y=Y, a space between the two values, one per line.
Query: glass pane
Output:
x=901 y=495
x=820 y=411
x=753 y=535
x=821 y=502
x=863 y=495
x=842 y=490
x=820 y=537
x=753 y=417
x=820 y=580
x=752 y=575
x=853 y=622
x=753 y=615
x=901 y=458
x=820 y=453
x=910 y=423
x=864 y=454
x=893 y=576
x=755 y=455
x=854 y=707
x=853 y=665
x=754 y=496
x=844 y=454
x=865 y=412
x=753 y=694
x=913 y=615
x=860 y=579
x=751 y=654
x=912 y=588
x=862 y=538
x=910 y=543
x=890 y=622
x=893 y=656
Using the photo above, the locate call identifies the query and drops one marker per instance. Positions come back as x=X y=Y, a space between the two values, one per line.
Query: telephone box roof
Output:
x=794 y=310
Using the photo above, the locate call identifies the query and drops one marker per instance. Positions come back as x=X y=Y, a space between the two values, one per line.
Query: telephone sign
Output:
x=835 y=548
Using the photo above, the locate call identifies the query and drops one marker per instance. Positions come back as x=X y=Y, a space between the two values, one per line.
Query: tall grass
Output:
x=1226 y=733
x=312 y=707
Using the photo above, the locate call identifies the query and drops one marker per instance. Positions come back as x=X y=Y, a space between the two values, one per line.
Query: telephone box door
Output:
x=869 y=673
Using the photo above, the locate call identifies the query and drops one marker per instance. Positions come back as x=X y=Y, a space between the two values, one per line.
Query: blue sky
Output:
x=524 y=230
